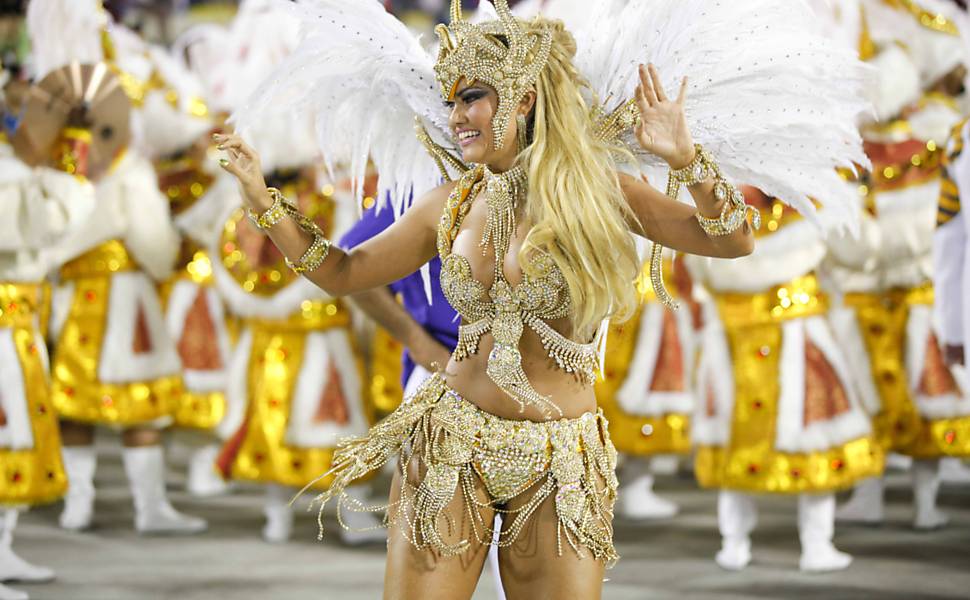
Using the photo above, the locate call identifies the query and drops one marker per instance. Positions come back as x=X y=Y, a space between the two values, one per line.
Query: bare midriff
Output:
x=570 y=392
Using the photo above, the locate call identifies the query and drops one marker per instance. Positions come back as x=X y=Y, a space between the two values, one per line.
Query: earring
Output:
x=523 y=133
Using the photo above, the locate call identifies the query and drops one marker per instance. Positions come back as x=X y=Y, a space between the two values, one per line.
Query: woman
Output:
x=511 y=429
x=412 y=242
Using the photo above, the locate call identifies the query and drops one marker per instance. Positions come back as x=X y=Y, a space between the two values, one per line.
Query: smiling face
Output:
x=472 y=111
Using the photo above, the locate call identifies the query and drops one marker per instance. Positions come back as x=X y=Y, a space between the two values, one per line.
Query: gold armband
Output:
x=313 y=257
x=319 y=248
x=732 y=217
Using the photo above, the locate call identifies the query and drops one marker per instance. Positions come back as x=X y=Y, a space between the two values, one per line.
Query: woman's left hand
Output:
x=663 y=129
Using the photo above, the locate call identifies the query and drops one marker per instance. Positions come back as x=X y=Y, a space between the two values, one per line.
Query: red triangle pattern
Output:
x=198 y=347
x=333 y=403
x=141 y=342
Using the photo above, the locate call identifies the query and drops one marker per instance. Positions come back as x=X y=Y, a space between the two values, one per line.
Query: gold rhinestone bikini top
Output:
x=505 y=310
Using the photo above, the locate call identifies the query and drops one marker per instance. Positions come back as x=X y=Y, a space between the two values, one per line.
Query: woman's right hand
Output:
x=429 y=352
x=243 y=163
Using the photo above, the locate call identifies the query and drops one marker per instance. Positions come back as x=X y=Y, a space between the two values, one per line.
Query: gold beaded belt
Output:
x=462 y=448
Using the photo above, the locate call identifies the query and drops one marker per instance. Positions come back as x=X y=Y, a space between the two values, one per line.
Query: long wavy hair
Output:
x=579 y=214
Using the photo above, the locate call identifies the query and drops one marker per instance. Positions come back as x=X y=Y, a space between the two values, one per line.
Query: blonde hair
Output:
x=579 y=213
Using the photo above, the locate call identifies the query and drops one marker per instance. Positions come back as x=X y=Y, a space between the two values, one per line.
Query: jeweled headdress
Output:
x=477 y=53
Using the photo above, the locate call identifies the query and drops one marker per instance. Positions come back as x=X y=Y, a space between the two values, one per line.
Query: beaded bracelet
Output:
x=272 y=215
x=318 y=250
x=734 y=210
x=732 y=217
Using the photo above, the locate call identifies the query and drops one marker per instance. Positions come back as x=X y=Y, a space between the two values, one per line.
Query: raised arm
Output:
x=663 y=131
x=395 y=253
x=673 y=224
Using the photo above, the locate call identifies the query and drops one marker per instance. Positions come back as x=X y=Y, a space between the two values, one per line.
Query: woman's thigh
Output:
x=423 y=574
x=532 y=568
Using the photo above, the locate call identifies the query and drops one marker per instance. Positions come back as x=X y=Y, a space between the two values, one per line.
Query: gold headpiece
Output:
x=476 y=52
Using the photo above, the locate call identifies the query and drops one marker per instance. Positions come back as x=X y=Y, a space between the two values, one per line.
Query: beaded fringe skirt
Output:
x=460 y=448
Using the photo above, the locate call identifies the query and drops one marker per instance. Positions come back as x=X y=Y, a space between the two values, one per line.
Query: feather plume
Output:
x=772 y=99
x=364 y=77
x=64 y=31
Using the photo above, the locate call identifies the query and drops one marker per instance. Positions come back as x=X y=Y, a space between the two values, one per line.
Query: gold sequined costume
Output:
x=646 y=390
x=295 y=384
x=885 y=317
x=777 y=411
x=114 y=362
x=31 y=471
x=30 y=448
x=455 y=444
x=194 y=312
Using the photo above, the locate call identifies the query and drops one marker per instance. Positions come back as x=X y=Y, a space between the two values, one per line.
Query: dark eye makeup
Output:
x=467 y=96
x=472 y=94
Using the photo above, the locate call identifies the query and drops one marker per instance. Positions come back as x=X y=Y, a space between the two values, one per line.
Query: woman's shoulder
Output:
x=438 y=198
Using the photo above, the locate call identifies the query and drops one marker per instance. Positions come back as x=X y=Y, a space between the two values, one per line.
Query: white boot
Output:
x=79 y=465
x=638 y=501
x=737 y=517
x=12 y=567
x=279 y=514
x=866 y=504
x=898 y=462
x=365 y=527
x=204 y=480
x=8 y=593
x=954 y=470
x=145 y=468
x=816 y=528
x=665 y=464
x=926 y=486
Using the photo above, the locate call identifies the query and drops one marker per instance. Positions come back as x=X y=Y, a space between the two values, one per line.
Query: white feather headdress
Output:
x=772 y=98
x=364 y=77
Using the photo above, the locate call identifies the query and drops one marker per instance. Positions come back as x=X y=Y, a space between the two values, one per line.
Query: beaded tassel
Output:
x=505 y=360
x=501 y=193
x=356 y=457
x=657 y=278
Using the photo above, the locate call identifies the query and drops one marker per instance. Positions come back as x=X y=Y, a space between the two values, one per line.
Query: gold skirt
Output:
x=459 y=445
x=33 y=474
